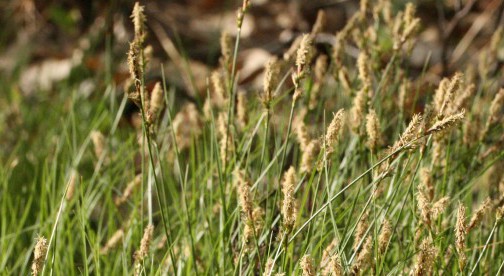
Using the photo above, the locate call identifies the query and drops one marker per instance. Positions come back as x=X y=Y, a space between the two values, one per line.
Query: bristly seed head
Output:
x=221 y=97
x=446 y=123
x=496 y=107
x=306 y=265
x=303 y=58
x=358 y=109
x=478 y=215
x=271 y=76
x=289 y=211
x=363 y=260
x=309 y=156
x=138 y=17
x=302 y=134
x=145 y=242
x=244 y=196
x=135 y=68
x=424 y=207
x=409 y=134
x=425 y=258
x=39 y=255
x=384 y=237
x=439 y=207
x=226 y=44
x=98 y=142
x=333 y=130
x=335 y=268
x=460 y=235
x=157 y=98
x=304 y=53
x=364 y=70
x=360 y=230
x=268 y=267
x=241 y=110
x=373 y=130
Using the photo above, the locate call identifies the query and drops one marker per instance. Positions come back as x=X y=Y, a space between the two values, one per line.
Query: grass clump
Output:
x=284 y=181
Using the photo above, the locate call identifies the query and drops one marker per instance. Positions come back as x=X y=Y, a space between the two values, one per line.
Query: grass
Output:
x=57 y=181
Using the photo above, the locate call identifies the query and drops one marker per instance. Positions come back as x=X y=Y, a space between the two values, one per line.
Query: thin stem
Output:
x=484 y=248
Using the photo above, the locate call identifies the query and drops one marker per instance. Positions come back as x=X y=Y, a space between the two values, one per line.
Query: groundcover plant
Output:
x=334 y=155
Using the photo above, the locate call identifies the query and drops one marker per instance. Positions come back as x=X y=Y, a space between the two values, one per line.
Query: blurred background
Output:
x=83 y=44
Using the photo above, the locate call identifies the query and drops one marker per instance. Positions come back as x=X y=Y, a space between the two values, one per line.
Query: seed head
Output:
x=364 y=7
x=360 y=231
x=309 y=156
x=244 y=195
x=460 y=235
x=359 y=108
x=409 y=134
x=405 y=26
x=226 y=140
x=499 y=214
x=306 y=265
x=226 y=44
x=364 y=257
x=461 y=100
x=187 y=125
x=271 y=75
x=136 y=70
x=241 y=110
x=424 y=207
x=446 y=123
x=425 y=258
x=128 y=191
x=364 y=70
x=426 y=182
x=268 y=267
x=478 y=215
x=147 y=54
x=373 y=130
x=39 y=255
x=145 y=243
x=289 y=54
x=219 y=90
x=472 y=130
x=344 y=79
x=157 y=98
x=112 y=242
x=334 y=130
x=320 y=68
x=258 y=219
x=72 y=182
x=440 y=94
x=339 y=50
x=303 y=58
x=138 y=17
x=302 y=135
x=289 y=211
x=304 y=53
x=452 y=88
x=439 y=207
x=384 y=237
x=320 y=22
x=98 y=142
x=404 y=91
x=334 y=268
x=326 y=254
x=496 y=107
x=495 y=40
